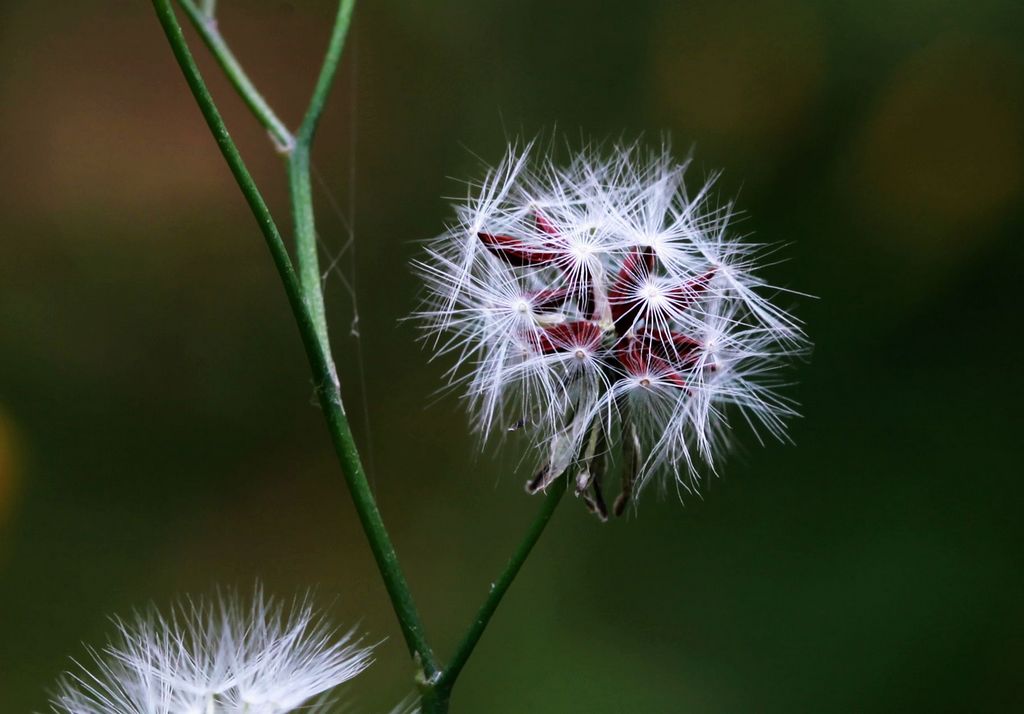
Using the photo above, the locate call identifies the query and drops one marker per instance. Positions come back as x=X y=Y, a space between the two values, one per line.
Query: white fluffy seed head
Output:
x=600 y=299
x=215 y=657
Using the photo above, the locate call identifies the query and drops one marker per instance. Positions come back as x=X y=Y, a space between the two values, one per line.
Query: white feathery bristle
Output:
x=215 y=657
x=601 y=307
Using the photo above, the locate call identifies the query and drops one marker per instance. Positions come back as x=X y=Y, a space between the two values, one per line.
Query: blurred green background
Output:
x=157 y=430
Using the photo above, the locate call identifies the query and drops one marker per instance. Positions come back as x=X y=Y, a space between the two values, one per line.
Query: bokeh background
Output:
x=157 y=430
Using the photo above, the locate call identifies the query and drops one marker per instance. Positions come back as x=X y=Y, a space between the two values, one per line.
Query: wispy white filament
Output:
x=215 y=657
x=604 y=295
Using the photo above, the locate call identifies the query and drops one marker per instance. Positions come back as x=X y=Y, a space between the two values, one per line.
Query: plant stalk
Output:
x=305 y=296
x=322 y=368
x=300 y=183
x=500 y=586
x=205 y=23
x=300 y=188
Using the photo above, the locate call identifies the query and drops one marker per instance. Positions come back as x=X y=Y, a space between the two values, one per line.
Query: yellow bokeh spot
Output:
x=744 y=72
x=942 y=151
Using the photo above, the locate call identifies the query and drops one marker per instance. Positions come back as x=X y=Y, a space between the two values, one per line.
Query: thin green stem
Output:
x=206 y=25
x=300 y=188
x=327 y=71
x=300 y=183
x=433 y=700
x=305 y=296
x=500 y=587
x=297 y=147
x=326 y=384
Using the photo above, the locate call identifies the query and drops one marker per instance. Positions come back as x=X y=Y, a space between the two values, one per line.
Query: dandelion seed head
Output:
x=215 y=657
x=603 y=306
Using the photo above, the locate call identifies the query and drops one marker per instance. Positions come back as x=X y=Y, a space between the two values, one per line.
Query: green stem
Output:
x=327 y=71
x=300 y=187
x=305 y=298
x=297 y=147
x=323 y=370
x=433 y=700
x=300 y=183
x=500 y=587
x=206 y=25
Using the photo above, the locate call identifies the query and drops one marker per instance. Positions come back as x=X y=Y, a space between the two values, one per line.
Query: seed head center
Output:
x=582 y=250
x=651 y=292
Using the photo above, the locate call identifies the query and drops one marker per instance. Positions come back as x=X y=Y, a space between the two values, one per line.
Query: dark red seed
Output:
x=569 y=337
x=546 y=299
x=636 y=269
x=640 y=360
x=673 y=346
x=684 y=295
x=544 y=224
x=515 y=251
